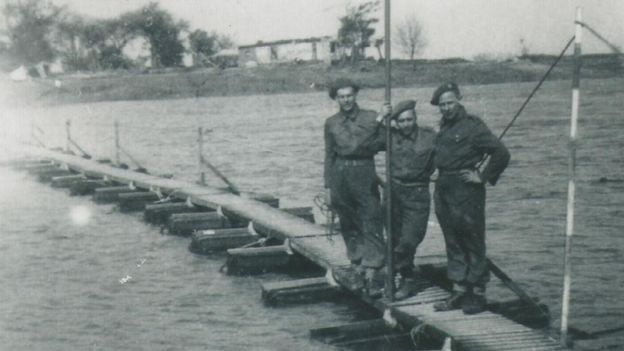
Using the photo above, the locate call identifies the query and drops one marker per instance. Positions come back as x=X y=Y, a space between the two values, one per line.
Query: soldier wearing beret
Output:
x=462 y=142
x=412 y=166
x=351 y=183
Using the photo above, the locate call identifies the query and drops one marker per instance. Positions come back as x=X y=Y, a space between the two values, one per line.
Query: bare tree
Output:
x=409 y=37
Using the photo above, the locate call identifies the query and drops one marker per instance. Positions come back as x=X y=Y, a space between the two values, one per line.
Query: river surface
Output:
x=79 y=276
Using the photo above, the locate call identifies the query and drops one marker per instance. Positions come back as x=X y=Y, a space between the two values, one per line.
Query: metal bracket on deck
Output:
x=156 y=190
x=220 y=211
x=389 y=319
x=251 y=229
x=287 y=247
x=329 y=275
x=188 y=202
x=131 y=186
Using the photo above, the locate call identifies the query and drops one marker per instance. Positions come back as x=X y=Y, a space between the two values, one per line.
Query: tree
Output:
x=224 y=42
x=30 y=25
x=203 y=43
x=409 y=37
x=356 y=28
x=92 y=44
x=68 y=38
x=161 y=31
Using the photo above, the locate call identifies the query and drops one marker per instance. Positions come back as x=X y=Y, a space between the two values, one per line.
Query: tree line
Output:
x=39 y=31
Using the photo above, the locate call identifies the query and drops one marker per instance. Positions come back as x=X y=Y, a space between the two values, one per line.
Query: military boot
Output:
x=374 y=281
x=407 y=288
x=453 y=302
x=475 y=302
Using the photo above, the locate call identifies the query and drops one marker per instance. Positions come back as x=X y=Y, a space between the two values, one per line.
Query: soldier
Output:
x=351 y=184
x=412 y=166
x=462 y=142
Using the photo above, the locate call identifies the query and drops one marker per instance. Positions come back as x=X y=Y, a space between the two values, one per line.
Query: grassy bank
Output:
x=285 y=78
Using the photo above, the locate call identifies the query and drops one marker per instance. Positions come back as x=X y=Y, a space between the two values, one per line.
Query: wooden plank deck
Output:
x=485 y=331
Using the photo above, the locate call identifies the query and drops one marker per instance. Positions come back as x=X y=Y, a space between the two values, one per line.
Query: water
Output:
x=63 y=282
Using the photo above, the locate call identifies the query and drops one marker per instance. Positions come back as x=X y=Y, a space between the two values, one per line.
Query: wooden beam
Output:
x=35 y=169
x=136 y=201
x=160 y=213
x=185 y=223
x=369 y=334
x=257 y=259
x=46 y=176
x=214 y=240
x=110 y=194
x=299 y=291
x=87 y=186
x=67 y=181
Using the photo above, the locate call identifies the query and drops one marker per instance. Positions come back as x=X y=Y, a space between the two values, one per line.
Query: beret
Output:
x=402 y=107
x=450 y=86
x=342 y=83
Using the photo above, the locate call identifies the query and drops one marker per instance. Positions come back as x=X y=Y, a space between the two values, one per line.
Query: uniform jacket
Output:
x=345 y=134
x=463 y=142
x=412 y=155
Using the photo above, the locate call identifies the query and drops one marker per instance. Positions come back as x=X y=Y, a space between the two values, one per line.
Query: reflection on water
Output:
x=82 y=276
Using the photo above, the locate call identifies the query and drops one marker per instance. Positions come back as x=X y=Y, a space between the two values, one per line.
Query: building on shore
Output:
x=324 y=49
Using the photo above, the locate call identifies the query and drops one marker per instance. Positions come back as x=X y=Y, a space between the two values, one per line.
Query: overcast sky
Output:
x=453 y=28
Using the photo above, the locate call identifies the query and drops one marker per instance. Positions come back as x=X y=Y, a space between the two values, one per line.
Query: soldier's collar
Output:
x=352 y=115
x=460 y=114
x=412 y=136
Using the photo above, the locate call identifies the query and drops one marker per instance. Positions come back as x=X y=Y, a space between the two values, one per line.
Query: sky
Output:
x=453 y=28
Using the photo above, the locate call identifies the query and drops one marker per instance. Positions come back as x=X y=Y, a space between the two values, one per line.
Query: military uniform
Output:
x=412 y=165
x=350 y=176
x=460 y=206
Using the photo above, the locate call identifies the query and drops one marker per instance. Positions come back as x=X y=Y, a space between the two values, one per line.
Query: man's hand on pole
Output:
x=384 y=111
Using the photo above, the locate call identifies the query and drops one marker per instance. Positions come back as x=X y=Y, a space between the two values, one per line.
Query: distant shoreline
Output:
x=303 y=77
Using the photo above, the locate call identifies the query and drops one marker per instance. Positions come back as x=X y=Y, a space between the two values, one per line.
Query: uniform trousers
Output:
x=355 y=198
x=460 y=209
x=410 y=214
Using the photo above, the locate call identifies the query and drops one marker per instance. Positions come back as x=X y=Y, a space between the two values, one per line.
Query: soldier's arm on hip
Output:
x=486 y=142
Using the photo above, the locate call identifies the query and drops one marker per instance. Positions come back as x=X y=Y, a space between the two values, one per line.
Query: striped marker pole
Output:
x=117 y=159
x=67 y=135
x=200 y=147
x=565 y=305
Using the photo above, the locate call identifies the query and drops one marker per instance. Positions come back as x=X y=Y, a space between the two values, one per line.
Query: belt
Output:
x=412 y=183
x=355 y=161
x=454 y=171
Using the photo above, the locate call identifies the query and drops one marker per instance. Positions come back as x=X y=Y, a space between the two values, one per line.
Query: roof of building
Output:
x=286 y=41
x=227 y=52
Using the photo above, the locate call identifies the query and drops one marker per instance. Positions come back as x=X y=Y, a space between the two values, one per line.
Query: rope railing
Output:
x=612 y=46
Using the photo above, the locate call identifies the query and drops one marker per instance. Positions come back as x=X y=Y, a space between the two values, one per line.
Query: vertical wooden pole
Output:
x=200 y=149
x=565 y=305
x=389 y=290
x=68 y=135
x=117 y=159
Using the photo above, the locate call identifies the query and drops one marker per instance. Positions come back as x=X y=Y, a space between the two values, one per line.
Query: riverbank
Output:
x=299 y=78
